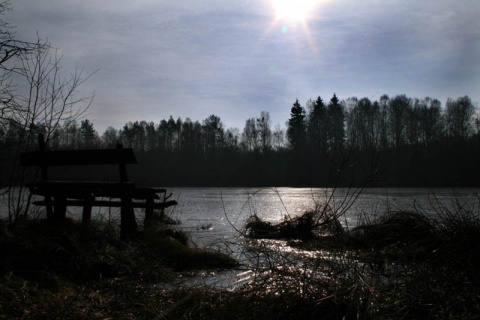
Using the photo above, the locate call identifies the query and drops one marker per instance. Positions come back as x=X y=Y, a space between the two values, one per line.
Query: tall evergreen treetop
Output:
x=336 y=119
x=318 y=125
x=88 y=133
x=296 y=131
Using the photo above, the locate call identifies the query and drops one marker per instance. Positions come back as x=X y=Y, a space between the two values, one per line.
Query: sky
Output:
x=152 y=59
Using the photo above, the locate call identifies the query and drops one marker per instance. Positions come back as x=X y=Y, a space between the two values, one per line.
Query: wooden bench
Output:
x=59 y=194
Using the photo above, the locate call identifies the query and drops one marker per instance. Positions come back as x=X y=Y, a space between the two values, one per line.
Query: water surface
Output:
x=215 y=217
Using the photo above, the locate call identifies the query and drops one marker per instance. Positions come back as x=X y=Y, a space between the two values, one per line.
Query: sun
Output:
x=293 y=10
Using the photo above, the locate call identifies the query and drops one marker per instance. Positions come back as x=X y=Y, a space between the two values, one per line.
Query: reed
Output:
x=402 y=264
x=75 y=271
x=399 y=265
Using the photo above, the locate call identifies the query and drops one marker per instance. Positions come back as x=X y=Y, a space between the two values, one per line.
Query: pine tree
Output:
x=296 y=131
x=318 y=125
x=336 y=119
x=88 y=134
x=213 y=134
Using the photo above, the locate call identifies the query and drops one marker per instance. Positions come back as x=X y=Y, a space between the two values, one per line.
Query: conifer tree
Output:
x=88 y=133
x=318 y=125
x=336 y=119
x=296 y=131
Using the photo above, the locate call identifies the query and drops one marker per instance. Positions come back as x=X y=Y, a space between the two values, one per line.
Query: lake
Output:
x=215 y=217
x=212 y=214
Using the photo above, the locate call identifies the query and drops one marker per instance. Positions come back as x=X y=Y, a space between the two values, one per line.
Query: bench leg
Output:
x=49 y=208
x=148 y=213
x=128 y=225
x=87 y=210
x=60 y=209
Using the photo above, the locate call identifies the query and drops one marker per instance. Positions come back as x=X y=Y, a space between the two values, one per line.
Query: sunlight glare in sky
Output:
x=293 y=10
x=293 y=15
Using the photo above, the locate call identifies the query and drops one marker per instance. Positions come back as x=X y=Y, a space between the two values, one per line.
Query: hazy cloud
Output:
x=196 y=58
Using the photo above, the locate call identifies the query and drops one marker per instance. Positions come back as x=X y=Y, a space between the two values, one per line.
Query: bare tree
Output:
x=278 y=137
x=250 y=135
x=459 y=119
x=398 y=107
x=213 y=134
x=50 y=98
x=43 y=99
x=12 y=51
x=35 y=97
x=265 y=133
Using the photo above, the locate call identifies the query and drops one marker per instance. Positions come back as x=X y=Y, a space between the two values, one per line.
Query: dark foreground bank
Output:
x=399 y=265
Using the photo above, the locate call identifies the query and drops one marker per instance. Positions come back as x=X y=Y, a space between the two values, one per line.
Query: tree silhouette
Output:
x=296 y=131
x=250 y=141
x=191 y=139
x=336 y=119
x=431 y=140
x=213 y=134
x=318 y=125
x=398 y=108
x=431 y=121
x=110 y=137
x=459 y=118
x=265 y=133
x=88 y=134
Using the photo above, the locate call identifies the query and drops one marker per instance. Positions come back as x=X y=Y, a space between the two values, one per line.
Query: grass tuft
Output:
x=306 y=226
x=401 y=265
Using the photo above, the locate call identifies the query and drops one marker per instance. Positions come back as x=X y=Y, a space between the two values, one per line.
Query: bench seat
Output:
x=81 y=189
x=112 y=204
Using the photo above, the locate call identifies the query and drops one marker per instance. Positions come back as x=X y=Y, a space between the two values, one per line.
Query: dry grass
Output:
x=77 y=272
x=402 y=265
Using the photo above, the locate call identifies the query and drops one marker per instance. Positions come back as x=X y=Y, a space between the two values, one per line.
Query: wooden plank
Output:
x=82 y=189
x=82 y=184
x=78 y=157
x=113 y=204
x=146 y=193
x=97 y=188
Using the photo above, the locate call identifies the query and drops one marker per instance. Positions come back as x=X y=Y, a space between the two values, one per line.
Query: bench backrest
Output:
x=78 y=157
x=119 y=156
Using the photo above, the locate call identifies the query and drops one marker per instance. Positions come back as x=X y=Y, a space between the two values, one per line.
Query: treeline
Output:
x=397 y=141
